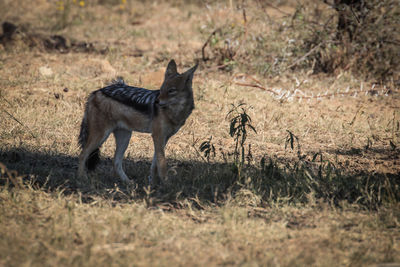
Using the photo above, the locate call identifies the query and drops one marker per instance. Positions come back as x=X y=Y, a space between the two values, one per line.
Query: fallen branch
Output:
x=289 y=95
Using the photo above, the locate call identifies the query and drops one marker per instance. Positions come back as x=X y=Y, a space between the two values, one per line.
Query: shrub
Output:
x=362 y=37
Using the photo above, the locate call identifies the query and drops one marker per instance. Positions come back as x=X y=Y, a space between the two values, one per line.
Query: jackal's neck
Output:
x=178 y=113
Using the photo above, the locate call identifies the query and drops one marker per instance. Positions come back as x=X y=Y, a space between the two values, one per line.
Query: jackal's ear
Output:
x=171 y=69
x=189 y=74
x=192 y=70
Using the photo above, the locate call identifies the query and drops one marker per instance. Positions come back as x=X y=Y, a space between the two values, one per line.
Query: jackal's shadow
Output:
x=54 y=171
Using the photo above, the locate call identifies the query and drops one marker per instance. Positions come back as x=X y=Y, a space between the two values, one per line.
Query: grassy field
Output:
x=315 y=184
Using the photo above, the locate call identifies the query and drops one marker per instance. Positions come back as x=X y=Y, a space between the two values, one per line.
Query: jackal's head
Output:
x=176 y=89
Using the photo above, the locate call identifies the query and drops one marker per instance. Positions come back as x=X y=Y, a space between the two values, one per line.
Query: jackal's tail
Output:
x=94 y=156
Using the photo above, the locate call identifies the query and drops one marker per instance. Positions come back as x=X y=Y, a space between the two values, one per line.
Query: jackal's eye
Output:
x=172 y=90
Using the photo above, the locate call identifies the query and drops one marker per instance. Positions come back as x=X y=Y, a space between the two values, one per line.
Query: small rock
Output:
x=45 y=71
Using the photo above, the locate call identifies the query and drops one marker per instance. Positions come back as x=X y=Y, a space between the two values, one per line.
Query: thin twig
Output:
x=394 y=42
x=355 y=15
x=297 y=61
x=274 y=7
x=203 y=54
x=14 y=118
x=5 y=100
x=245 y=31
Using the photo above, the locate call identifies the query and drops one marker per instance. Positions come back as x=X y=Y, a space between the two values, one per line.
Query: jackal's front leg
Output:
x=153 y=169
x=122 y=138
x=159 y=164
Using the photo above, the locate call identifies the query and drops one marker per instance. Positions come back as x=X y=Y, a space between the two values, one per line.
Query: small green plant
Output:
x=208 y=149
x=240 y=125
x=290 y=139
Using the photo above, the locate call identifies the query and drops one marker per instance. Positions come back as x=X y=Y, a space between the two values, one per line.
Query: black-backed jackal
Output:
x=121 y=109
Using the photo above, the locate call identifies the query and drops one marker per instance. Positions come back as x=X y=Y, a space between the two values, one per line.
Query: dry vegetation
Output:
x=316 y=182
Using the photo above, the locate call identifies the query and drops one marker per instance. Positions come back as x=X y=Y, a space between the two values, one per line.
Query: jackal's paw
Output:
x=166 y=182
x=82 y=176
x=122 y=177
x=154 y=180
x=127 y=181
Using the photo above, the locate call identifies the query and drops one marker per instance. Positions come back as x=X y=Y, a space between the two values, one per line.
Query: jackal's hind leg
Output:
x=95 y=140
x=122 y=138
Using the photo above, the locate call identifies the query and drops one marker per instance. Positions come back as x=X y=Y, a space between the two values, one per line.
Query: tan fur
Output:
x=104 y=115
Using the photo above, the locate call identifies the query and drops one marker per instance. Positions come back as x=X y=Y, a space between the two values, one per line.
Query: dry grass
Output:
x=54 y=229
x=272 y=215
